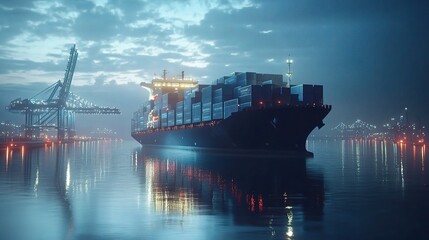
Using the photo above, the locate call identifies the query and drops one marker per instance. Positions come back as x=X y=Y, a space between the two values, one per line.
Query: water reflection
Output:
x=255 y=191
x=400 y=163
x=37 y=187
x=109 y=190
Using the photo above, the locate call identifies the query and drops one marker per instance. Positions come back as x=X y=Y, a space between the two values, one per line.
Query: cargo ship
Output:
x=242 y=112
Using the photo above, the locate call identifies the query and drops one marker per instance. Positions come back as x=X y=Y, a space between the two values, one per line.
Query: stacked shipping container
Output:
x=238 y=92
x=179 y=113
x=308 y=94
x=207 y=102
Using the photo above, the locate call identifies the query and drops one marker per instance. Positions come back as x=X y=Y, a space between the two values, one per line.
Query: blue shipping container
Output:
x=206 y=112
x=229 y=107
x=304 y=92
x=187 y=116
x=196 y=112
x=171 y=118
x=164 y=119
x=218 y=111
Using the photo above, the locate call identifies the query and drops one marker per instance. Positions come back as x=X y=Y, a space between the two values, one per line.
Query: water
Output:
x=117 y=190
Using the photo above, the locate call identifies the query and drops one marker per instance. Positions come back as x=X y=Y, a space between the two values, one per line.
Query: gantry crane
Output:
x=58 y=110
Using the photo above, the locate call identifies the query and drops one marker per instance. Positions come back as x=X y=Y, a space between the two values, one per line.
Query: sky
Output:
x=372 y=56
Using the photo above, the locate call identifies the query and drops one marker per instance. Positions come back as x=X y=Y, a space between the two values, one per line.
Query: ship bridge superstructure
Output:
x=165 y=85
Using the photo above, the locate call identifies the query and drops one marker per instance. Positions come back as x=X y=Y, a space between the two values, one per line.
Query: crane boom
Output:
x=68 y=76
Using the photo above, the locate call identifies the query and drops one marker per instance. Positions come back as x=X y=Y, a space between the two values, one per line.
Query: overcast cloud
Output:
x=371 y=56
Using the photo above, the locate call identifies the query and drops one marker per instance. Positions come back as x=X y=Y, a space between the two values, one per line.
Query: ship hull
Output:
x=277 y=129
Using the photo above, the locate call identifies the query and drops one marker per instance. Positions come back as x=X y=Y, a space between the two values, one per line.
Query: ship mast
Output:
x=164 y=74
x=289 y=74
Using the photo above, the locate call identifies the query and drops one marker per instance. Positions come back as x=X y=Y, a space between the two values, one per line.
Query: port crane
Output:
x=56 y=107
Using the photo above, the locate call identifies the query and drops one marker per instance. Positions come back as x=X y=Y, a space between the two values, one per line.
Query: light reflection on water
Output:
x=118 y=190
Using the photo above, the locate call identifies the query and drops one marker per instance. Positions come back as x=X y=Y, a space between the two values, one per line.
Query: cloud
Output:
x=173 y=60
x=27 y=46
x=196 y=64
x=112 y=36
x=192 y=12
x=16 y=3
x=124 y=42
x=98 y=23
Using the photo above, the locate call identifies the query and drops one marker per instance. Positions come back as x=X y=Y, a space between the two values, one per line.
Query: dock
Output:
x=17 y=143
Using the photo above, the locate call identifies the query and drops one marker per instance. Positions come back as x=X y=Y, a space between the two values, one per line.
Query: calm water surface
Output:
x=119 y=190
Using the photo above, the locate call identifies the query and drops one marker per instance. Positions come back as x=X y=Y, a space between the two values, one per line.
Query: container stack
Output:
x=275 y=79
x=232 y=80
x=196 y=112
x=230 y=107
x=168 y=100
x=282 y=97
x=191 y=96
x=219 y=80
x=187 y=106
x=206 y=103
x=251 y=78
x=241 y=91
x=220 y=95
x=157 y=111
x=246 y=78
x=140 y=117
x=308 y=94
x=164 y=119
x=171 y=116
x=143 y=116
x=218 y=111
x=135 y=124
x=179 y=113
x=250 y=96
x=223 y=93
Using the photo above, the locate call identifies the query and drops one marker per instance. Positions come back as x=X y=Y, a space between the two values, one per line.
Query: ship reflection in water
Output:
x=268 y=193
x=116 y=190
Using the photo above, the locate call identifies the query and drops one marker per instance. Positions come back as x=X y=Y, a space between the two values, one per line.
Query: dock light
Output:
x=279 y=102
x=261 y=102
